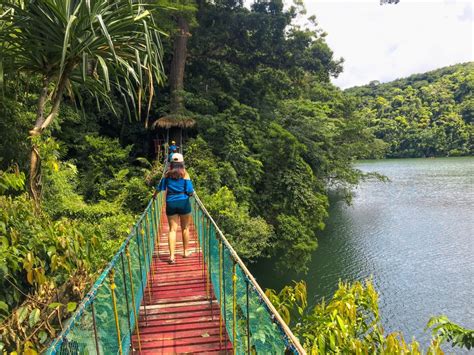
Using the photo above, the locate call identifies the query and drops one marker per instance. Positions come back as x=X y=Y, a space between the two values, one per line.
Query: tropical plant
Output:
x=349 y=323
x=78 y=47
x=49 y=256
x=451 y=332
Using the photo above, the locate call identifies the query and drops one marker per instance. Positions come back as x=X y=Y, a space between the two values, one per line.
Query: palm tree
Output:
x=77 y=47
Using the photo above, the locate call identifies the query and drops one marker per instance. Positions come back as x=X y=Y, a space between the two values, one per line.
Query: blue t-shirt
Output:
x=173 y=148
x=177 y=189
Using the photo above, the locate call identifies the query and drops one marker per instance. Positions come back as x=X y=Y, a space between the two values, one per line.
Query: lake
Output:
x=413 y=235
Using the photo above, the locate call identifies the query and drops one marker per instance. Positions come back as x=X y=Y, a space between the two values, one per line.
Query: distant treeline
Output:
x=424 y=115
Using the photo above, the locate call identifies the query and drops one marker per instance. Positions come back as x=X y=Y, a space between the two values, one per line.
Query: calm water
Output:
x=414 y=235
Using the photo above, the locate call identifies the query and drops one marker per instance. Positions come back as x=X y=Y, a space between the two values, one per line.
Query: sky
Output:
x=388 y=42
x=393 y=41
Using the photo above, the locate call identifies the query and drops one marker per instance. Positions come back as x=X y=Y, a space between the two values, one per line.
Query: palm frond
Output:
x=53 y=38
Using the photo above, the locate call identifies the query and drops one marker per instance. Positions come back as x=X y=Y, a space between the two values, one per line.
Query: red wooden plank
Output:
x=154 y=322
x=190 y=349
x=174 y=343
x=178 y=327
x=183 y=315
x=180 y=335
x=181 y=310
x=178 y=286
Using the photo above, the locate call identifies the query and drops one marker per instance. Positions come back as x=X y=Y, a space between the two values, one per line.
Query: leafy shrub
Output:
x=250 y=236
x=35 y=249
x=349 y=323
x=102 y=163
x=451 y=332
x=15 y=120
x=49 y=256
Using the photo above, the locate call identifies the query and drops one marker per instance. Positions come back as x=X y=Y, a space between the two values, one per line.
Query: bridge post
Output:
x=225 y=303
x=145 y=256
x=208 y=258
x=234 y=306
x=94 y=324
x=137 y=234
x=149 y=230
x=248 y=313
x=203 y=248
x=210 y=268
x=114 y=305
x=126 y=297
x=220 y=292
x=127 y=253
x=158 y=223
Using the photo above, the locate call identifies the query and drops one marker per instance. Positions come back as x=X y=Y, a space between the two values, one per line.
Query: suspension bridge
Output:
x=206 y=303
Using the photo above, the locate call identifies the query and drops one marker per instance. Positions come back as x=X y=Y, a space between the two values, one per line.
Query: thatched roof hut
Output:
x=171 y=121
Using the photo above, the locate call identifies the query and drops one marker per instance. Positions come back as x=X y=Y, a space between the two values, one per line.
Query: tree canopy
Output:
x=424 y=115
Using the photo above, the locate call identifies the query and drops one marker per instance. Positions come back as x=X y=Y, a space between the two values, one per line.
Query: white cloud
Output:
x=392 y=41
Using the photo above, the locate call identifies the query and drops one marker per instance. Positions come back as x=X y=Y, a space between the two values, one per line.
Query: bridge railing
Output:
x=248 y=317
x=107 y=316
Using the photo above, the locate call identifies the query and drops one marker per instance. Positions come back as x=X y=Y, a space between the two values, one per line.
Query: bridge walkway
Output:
x=206 y=303
x=179 y=312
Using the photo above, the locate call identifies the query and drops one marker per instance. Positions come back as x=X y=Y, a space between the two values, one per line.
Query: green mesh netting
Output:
x=253 y=326
x=93 y=328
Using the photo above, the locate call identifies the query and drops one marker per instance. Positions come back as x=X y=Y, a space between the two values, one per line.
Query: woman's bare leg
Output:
x=173 y=223
x=185 y=222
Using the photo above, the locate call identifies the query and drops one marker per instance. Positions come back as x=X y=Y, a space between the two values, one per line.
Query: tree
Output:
x=178 y=16
x=77 y=47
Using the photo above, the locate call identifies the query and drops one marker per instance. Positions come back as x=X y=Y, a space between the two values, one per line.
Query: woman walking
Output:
x=179 y=188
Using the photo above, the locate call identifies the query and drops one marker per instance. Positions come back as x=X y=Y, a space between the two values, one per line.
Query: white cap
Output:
x=177 y=158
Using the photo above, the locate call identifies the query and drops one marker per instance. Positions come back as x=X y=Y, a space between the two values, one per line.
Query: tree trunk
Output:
x=34 y=181
x=177 y=66
x=40 y=124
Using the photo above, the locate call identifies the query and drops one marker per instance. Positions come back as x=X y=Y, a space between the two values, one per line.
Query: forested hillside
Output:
x=424 y=115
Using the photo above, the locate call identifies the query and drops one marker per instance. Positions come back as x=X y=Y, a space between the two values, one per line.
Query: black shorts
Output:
x=180 y=207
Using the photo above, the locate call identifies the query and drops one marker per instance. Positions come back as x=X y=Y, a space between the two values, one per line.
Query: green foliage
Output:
x=169 y=10
x=11 y=180
x=271 y=127
x=36 y=249
x=82 y=43
x=103 y=163
x=15 y=119
x=451 y=332
x=203 y=166
x=296 y=240
x=423 y=115
x=60 y=247
x=349 y=323
x=290 y=299
x=250 y=236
